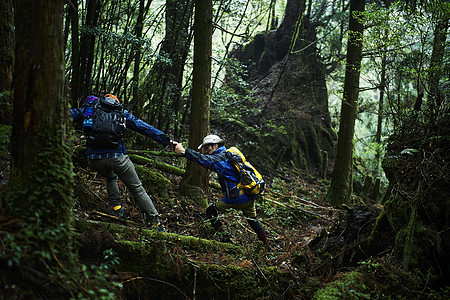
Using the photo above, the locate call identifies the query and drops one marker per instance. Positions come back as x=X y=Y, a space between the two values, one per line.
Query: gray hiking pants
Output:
x=122 y=168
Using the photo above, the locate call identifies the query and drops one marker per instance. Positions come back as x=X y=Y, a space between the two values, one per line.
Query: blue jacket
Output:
x=132 y=123
x=229 y=177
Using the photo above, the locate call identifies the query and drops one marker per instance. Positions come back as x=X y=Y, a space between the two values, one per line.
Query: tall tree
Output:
x=436 y=95
x=6 y=59
x=137 y=48
x=341 y=182
x=165 y=80
x=87 y=43
x=75 y=62
x=40 y=185
x=201 y=89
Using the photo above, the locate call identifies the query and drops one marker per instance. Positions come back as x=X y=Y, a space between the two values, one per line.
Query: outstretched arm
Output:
x=209 y=161
x=140 y=126
x=76 y=114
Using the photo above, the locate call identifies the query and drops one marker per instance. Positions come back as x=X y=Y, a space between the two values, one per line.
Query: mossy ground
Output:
x=315 y=249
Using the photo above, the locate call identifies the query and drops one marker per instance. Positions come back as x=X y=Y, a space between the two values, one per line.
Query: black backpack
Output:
x=108 y=124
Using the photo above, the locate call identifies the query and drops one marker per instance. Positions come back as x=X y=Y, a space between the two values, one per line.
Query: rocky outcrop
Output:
x=286 y=120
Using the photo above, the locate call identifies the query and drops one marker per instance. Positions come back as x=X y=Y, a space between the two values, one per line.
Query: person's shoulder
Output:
x=90 y=100
x=129 y=116
x=221 y=149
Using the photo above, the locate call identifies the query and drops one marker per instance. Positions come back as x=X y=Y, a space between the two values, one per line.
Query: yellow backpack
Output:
x=252 y=181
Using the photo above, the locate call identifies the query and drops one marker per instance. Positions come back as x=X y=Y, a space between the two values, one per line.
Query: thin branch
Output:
x=378 y=51
x=229 y=32
x=156 y=280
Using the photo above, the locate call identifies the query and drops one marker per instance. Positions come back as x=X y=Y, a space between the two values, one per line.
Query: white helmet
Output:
x=211 y=139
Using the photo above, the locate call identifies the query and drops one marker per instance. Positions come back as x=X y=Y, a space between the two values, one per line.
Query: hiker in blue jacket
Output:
x=113 y=163
x=214 y=157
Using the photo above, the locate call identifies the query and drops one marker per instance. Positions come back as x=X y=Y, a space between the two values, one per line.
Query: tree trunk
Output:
x=40 y=186
x=201 y=90
x=6 y=59
x=137 y=50
x=278 y=44
x=435 y=92
x=73 y=13
x=341 y=181
x=88 y=47
x=165 y=81
x=380 y=116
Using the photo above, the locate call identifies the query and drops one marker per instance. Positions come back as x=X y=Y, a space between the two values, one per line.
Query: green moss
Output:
x=167 y=264
x=140 y=234
x=314 y=146
x=5 y=135
x=196 y=194
x=397 y=212
x=400 y=239
x=348 y=287
x=381 y=227
x=151 y=162
x=154 y=182
x=410 y=253
x=392 y=164
x=298 y=148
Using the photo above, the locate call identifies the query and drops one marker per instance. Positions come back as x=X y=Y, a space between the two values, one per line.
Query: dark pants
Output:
x=247 y=208
x=122 y=168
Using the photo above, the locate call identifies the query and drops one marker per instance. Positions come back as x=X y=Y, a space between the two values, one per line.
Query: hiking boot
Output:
x=160 y=227
x=154 y=223
x=263 y=237
x=116 y=211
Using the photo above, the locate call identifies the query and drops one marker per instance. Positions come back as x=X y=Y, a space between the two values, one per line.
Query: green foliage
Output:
x=235 y=93
x=49 y=183
x=6 y=105
x=348 y=287
x=32 y=249
x=225 y=99
x=5 y=136
x=375 y=279
x=403 y=40
x=99 y=284
x=442 y=294
x=42 y=199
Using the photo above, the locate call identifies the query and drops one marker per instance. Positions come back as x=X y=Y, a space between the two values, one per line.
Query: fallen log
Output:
x=183 y=267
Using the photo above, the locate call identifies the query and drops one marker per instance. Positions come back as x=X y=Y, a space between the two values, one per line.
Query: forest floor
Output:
x=308 y=238
x=292 y=211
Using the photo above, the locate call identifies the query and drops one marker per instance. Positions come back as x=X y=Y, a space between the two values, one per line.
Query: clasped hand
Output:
x=178 y=147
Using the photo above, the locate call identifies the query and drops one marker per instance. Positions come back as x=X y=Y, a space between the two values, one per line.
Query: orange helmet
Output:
x=112 y=97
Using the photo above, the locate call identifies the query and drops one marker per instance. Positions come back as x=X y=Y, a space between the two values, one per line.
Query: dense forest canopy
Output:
x=343 y=106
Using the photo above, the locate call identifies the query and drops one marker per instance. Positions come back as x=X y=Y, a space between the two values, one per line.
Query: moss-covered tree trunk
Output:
x=40 y=186
x=6 y=59
x=341 y=182
x=201 y=89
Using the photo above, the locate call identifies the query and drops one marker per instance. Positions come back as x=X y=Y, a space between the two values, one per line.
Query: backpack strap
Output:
x=88 y=112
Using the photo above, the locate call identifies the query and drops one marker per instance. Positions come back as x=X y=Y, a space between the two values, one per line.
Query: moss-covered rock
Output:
x=414 y=210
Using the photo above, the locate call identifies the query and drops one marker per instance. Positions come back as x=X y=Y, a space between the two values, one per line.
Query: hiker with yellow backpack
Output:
x=241 y=183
